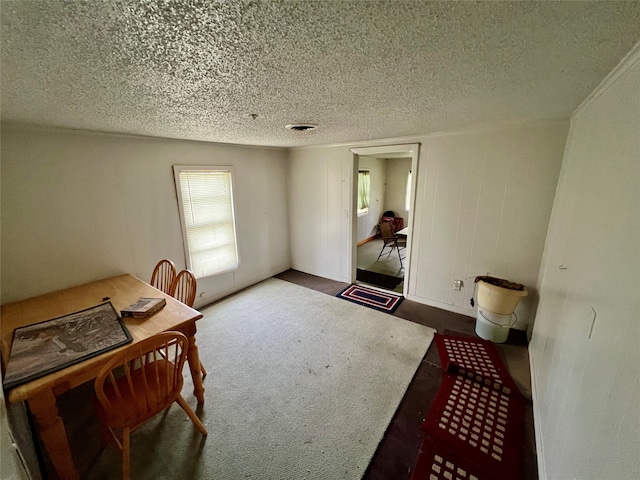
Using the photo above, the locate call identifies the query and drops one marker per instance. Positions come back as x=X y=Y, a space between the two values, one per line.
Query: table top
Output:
x=403 y=232
x=122 y=290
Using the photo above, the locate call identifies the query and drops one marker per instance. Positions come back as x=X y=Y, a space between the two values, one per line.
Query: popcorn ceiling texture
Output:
x=361 y=70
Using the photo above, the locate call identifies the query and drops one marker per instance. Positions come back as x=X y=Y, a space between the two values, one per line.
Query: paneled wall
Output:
x=367 y=224
x=78 y=207
x=397 y=170
x=585 y=348
x=483 y=206
x=483 y=203
x=320 y=209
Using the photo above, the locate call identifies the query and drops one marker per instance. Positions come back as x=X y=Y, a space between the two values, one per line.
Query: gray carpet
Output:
x=300 y=385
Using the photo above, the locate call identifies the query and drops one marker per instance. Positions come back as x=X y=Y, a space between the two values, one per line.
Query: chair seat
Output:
x=131 y=408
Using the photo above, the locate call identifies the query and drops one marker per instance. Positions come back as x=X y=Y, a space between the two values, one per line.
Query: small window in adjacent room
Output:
x=205 y=200
x=407 y=194
x=364 y=184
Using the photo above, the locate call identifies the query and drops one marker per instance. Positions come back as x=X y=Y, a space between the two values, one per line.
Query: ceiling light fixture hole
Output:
x=302 y=127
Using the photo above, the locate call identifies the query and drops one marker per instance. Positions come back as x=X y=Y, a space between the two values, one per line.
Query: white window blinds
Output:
x=208 y=221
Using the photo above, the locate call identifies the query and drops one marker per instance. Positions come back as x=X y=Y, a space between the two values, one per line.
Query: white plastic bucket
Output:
x=493 y=326
x=498 y=299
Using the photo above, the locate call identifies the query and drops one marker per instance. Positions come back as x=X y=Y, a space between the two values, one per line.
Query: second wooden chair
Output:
x=184 y=289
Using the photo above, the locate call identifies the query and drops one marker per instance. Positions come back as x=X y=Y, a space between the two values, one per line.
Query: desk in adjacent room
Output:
x=40 y=394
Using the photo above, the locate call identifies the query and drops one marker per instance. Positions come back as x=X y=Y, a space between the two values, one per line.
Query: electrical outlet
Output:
x=457 y=285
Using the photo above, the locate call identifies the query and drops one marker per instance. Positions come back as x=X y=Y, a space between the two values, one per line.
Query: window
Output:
x=407 y=194
x=205 y=200
x=364 y=184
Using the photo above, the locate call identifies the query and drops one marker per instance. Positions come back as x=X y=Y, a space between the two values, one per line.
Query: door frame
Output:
x=406 y=150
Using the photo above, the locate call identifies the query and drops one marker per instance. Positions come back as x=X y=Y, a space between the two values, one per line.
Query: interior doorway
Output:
x=383 y=187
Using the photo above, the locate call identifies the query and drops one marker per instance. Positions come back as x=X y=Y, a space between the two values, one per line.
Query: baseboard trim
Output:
x=537 y=427
x=203 y=302
x=444 y=306
x=311 y=271
x=366 y=240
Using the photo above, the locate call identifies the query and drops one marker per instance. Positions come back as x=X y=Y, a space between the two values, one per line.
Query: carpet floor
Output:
x=300 y=385
x=396 y=454
x=398 y=451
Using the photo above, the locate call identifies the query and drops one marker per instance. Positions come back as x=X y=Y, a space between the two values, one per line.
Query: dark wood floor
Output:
x=397 y=453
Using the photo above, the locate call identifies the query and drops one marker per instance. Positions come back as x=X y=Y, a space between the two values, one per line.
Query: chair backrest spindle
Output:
x=163 y=276
x=184 y=287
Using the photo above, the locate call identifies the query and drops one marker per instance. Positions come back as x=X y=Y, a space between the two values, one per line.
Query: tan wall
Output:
x=77 y=207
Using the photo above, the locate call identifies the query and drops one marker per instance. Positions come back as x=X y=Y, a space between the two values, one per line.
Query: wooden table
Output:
x=40 y=394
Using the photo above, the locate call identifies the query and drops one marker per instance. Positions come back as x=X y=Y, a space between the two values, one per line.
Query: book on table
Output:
x=144 y=307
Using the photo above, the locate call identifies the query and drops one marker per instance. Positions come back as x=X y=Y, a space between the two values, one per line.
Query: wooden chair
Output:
x=184 y=289
x=140 y=382
x=391 y=241
x=163 y=276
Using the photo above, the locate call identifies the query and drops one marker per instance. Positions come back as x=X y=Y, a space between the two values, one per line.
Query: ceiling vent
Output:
x=302 y=127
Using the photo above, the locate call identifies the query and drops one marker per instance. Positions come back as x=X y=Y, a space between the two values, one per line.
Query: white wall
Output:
x=586 y=374
x=483 y=202
x=77 y=207
x=367 y=224
x=320 y=209
x=395 y=193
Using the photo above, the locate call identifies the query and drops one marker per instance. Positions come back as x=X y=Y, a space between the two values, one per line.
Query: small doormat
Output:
x=383 y=301
x=378 y=279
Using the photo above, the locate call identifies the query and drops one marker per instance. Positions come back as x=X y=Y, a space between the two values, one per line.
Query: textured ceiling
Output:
x=360 y=69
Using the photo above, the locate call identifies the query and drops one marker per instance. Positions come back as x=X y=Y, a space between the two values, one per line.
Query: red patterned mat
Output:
x=481 y=420
x=478 y=356
x=437 y=463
